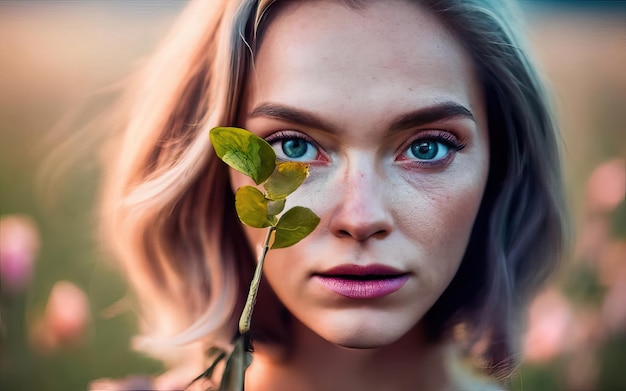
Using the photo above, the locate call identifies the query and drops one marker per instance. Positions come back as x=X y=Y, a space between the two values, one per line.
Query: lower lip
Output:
x=363 y=289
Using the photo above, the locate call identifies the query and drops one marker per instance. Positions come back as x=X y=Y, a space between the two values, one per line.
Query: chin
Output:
x=364 y=336
x=358 y=328
x=361 y=344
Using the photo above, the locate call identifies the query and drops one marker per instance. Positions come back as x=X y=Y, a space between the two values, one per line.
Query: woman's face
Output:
x=384 y=105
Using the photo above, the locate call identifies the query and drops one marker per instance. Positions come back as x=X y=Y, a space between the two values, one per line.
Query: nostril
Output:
x=381 y=234
x=343 y=233
x=362 y=236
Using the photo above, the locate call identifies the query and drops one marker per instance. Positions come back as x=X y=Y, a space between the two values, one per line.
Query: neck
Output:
x=312 y=363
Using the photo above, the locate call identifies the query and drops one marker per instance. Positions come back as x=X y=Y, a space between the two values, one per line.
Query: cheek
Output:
x=281 y=268
x=439 y=212
x=448 y=214
x=285 y=273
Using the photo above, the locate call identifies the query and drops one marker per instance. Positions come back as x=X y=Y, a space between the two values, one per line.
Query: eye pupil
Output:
x=425 y=149
x=294 y=148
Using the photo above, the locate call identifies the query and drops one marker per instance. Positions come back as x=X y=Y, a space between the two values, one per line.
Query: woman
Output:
x=433 y=166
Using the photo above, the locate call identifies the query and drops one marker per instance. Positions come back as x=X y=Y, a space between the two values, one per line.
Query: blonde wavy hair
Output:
x=167 y=206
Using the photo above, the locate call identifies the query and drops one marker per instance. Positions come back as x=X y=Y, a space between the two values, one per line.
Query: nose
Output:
x=361 y=211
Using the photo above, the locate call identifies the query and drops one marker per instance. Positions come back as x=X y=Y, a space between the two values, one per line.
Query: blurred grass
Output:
x=53 y=55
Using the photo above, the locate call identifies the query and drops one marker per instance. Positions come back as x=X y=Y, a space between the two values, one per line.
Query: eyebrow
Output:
x=423 y=116
x=289 y=114
x=434 y=113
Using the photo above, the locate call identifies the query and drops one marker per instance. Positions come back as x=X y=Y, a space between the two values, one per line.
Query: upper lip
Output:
x=359 y=270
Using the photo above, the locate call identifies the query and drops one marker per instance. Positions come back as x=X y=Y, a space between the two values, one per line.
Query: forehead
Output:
x=391 y=53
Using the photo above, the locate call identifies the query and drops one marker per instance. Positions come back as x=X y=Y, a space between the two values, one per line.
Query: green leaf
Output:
x=286 y=178
x=275 y=207
x=294 y=226
x=244 y=151
x=251 y=207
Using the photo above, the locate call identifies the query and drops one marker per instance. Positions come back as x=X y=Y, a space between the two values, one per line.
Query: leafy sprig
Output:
x=255 y=158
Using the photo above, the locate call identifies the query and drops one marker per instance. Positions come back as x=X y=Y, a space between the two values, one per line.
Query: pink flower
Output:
x=65 y=319
x=550 y=317
x=606 y=187
x=19 y=244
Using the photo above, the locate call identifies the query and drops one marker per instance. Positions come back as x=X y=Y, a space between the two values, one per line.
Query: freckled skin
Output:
x=360 y=70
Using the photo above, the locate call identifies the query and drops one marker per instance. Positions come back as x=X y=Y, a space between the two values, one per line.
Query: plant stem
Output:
x=246 y=314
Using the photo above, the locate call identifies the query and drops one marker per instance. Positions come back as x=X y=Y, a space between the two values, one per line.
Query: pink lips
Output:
x=362 y=282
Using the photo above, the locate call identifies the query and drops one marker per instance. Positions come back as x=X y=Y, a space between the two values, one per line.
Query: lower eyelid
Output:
x=411 y=162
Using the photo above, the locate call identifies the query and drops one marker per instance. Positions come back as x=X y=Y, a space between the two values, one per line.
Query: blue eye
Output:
x=427 y=149
x=294 y=148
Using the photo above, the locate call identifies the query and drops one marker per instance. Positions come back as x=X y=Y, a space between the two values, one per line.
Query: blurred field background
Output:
x=63 y=321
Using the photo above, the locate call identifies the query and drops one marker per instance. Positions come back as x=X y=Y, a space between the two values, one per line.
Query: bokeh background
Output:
x=63 y=316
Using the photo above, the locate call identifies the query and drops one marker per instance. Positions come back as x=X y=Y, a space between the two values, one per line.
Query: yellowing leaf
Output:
x=294 y=226
x=244 y=151
x=285 y=179
x=251 y=207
